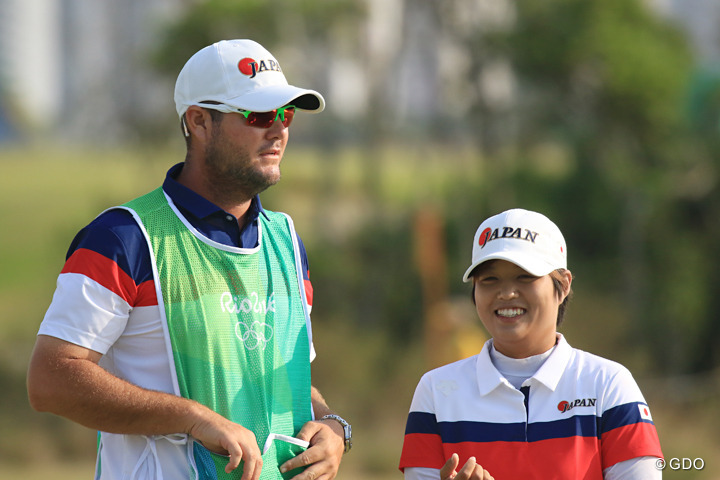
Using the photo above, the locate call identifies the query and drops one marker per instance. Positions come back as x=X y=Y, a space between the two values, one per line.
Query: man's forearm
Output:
x=67 y=381
x=320 y=406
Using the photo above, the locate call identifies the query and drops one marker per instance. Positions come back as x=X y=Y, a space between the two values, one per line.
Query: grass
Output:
x=46 y=195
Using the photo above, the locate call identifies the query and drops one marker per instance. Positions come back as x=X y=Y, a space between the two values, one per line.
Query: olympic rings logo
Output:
x=255 y=335
x=252 y=333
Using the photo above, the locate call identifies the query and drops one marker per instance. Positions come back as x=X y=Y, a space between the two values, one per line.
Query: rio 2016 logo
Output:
x=252 y=333
x=251 y=303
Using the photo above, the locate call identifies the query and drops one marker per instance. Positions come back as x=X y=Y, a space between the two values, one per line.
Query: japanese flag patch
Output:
x=645 y=412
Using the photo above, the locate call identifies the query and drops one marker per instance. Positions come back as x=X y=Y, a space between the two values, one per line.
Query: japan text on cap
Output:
x=240 y=74
x=527 y=239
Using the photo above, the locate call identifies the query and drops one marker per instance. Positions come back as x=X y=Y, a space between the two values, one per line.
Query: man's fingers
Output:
x=308 y=431
x=252 y=462
x=251 y=468
x=303 y=459
x=235 y=458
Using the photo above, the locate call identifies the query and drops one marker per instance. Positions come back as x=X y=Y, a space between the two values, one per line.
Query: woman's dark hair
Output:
x=557 y=278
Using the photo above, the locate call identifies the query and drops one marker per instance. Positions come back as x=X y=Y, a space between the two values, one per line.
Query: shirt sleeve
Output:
x=642 y=468
x=101 y=282
x=627 y=430
x=306 y=273
x=420 y=473
x=422 y=445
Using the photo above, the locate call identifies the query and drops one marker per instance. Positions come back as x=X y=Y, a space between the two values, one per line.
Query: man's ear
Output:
x=197 y=122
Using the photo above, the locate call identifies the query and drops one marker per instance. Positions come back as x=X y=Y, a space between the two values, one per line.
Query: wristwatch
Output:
x=347 y=429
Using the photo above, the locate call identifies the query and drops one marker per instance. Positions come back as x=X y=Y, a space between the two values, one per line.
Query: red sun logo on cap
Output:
x=484 y=236
x=247 y=66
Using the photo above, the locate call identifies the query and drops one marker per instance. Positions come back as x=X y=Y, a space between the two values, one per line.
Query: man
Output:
x=180 y=326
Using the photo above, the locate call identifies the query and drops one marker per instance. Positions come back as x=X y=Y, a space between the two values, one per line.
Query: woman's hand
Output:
x=470 y=471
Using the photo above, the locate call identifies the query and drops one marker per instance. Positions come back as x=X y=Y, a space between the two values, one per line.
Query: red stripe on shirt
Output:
x=577 y=458
x=308 y=292
x=422 y=450
x=572 y=457
x=630 y=441
x=103 y=271
x=146 y=294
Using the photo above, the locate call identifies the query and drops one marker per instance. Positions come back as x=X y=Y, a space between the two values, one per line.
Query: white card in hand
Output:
x=283 y=438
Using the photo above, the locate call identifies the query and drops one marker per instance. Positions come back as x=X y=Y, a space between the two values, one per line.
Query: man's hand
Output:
x=470 y=471
x=66 y=380
x=322 y=458
x=222 y=436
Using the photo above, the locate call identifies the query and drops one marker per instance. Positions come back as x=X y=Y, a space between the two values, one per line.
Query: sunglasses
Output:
x=266 y=119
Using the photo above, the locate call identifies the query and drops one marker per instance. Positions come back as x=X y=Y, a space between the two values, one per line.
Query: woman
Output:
x=528 y=405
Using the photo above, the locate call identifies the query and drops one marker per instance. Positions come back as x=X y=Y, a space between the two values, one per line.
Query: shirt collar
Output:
x=489 y=378
x=196 y=204
x=554 y=367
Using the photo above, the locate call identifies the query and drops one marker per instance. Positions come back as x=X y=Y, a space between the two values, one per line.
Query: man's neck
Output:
x=195 y=181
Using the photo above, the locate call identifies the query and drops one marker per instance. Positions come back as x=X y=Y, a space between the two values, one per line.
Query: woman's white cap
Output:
x=528 y=239
x=241 y=74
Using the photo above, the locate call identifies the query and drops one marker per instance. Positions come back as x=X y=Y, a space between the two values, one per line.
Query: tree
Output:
x=609 y=79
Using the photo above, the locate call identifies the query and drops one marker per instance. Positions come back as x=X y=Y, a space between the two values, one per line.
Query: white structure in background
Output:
x=78 y=68
x=107 y=82
x=30 y=59
x=701 y=21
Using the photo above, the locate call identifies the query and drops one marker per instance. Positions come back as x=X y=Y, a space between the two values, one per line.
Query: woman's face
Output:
x=518 y=309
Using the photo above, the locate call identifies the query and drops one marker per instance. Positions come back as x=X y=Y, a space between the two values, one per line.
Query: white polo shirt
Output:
x=576 y=416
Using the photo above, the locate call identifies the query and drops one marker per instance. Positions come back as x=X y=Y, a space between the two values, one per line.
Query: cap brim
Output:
x=528 y=263
x=275 y=96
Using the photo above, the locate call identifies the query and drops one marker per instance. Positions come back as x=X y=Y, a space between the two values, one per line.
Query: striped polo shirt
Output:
x=105 y=301
x=576 y=416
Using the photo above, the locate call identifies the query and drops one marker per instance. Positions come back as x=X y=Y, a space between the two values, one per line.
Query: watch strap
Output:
x=347 y=429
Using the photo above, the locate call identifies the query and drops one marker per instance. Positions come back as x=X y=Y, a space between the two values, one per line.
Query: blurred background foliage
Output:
x=609 y=130
x=594 y=112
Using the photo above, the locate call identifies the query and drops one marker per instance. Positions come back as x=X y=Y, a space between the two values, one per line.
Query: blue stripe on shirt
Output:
x=115 y=235
x=469 y=431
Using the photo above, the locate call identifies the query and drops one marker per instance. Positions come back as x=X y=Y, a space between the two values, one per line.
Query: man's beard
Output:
x=231 y=174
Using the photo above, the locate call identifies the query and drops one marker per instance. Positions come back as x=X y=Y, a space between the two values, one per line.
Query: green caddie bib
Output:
x=236 y=327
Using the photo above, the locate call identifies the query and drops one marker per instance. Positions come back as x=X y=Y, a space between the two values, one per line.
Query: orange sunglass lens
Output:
x=266 y=119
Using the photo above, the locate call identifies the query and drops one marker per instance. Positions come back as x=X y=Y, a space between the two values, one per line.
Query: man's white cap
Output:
x=241 y=74
x=528 y=239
